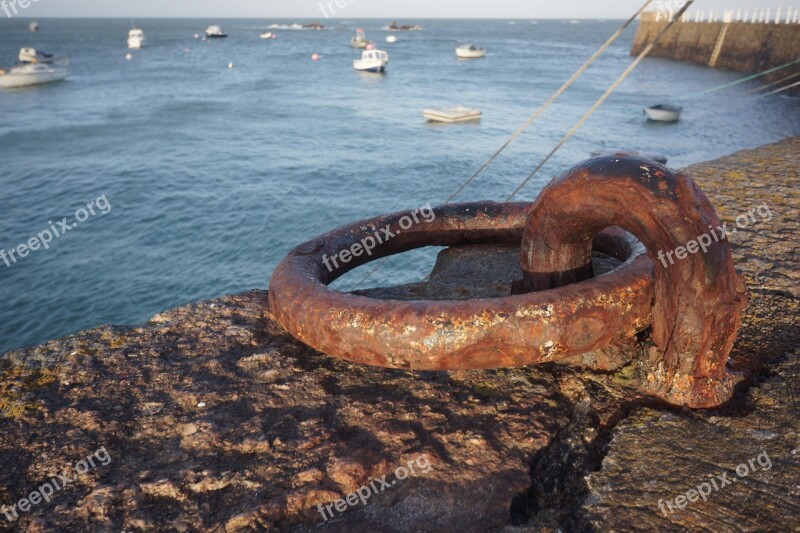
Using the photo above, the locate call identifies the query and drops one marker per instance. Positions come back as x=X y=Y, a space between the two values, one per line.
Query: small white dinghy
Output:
x=452 y=114
x=268 y=35
x=135 y=39
x=470 y=51
x=663 y=113
x=372 y=61
x=35 y=68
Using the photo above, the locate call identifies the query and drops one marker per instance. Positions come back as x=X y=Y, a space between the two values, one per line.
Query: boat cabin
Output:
x=377 y=55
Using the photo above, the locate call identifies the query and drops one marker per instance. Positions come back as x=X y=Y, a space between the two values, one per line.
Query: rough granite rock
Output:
x=690 y=449
x=215 y=419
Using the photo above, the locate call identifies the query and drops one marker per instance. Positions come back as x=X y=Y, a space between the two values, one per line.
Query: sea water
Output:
x=212 y=174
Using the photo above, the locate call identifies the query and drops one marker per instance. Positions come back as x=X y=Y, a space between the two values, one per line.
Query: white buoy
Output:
x=391 y=39
x=128 y=56
x=230 y=65
x=315 y=57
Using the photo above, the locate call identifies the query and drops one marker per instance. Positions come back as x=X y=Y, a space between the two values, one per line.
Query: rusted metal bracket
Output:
x=698 y=299
x=694 y=305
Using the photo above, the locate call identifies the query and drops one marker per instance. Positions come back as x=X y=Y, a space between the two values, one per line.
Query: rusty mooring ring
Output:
x=501 y=332
x=438 y=335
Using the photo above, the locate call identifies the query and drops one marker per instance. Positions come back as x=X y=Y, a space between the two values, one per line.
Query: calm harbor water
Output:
x=212 y=174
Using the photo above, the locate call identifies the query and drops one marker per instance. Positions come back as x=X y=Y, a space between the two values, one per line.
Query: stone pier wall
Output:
x=746 y=47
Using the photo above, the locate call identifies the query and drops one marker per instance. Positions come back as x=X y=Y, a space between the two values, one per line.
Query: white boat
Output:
x=135 y=39
x=35 y=68
x=359 y=40
x=470 y=51
x=268 y=35
x=33 y=26
x=663 y=113
x=215 y=32
x=452 y=114
x=391 y=39
x=372 y=61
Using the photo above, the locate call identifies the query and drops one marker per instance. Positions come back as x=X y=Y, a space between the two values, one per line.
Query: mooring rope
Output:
x=603 y=98
x=549 y=101
x=776 y=91
x=759 y=89
x=736 y=82
x=747 y=78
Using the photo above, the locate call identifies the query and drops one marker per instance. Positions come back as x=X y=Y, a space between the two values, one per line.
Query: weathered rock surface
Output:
x=746 y=454
x=215 y=419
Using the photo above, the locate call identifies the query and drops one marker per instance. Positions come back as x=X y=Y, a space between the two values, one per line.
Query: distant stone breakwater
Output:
x=739 y=46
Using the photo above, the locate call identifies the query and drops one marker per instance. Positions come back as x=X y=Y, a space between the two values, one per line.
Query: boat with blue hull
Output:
x=372 y=61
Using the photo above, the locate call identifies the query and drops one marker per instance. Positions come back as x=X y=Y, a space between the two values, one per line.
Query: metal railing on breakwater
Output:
x=779 y=15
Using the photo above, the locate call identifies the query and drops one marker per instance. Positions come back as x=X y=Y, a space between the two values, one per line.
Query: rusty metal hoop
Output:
x=522 y=329
x=438 y=335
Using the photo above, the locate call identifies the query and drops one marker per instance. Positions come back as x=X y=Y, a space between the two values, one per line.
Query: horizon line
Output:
x=125 y=17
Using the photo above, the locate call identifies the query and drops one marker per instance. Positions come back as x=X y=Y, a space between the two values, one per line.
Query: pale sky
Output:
x=381 y=9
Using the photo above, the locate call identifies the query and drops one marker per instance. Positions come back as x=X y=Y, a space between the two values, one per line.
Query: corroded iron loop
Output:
x=438 y=335
x=694 y=305
x=698 y=298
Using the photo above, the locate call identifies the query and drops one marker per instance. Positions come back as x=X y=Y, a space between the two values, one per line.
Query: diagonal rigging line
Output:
x=603 y=98
x=747 y=78
x=741 y=80
x=530 y=120
x=759 y=89
x=549 y=101
x=776 y=91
